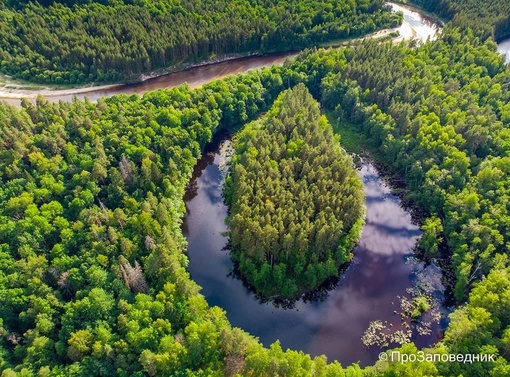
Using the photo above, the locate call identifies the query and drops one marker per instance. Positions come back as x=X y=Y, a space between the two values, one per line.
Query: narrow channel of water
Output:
x=415 y=25
x=374 y=287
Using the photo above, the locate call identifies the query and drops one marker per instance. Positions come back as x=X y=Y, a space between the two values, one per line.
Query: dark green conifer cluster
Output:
x=296 y=200
x=73 y=41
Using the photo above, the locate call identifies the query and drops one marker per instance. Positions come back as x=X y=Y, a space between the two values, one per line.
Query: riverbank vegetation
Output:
x=296 y=201
x=75 y=42
x=93 y=274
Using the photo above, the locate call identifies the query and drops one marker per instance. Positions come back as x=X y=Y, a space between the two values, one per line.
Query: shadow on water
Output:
x=332 y=320
x=210 y=150
x=319 y=294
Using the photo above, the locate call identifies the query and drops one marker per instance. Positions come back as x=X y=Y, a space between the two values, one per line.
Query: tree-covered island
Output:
x=93 y=278
x=296 y=200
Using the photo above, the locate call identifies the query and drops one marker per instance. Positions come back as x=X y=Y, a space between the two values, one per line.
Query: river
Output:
x=414 y=26
x=376 y=286
x=381 y=278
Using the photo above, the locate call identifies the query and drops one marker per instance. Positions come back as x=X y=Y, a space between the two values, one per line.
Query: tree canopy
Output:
x=296 y=199
x=73 y=42
x=93 y=274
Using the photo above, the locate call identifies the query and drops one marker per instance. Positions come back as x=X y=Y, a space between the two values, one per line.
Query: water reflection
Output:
x=367 y=291
x=504 y=48
x=415 y=25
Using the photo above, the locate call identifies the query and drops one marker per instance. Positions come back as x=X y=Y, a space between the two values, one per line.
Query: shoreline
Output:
x=20 y=92
x=13 y=95
x=409 y=5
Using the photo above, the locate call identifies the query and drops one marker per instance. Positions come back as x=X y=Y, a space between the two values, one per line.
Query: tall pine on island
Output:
x=296 y=200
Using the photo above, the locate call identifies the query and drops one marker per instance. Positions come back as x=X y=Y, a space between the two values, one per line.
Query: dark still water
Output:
x=380 y=281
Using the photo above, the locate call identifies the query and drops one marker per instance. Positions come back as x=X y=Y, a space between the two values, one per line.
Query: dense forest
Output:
x=93 y=274
x=296 y=201
x=73 y=42
x=93 y=278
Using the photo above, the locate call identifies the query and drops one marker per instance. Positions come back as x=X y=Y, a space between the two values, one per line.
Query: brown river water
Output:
x=414 y=26
x=376 y=286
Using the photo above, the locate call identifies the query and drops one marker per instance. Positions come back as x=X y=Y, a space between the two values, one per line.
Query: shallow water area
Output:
x=415 y=25
x=381 y=273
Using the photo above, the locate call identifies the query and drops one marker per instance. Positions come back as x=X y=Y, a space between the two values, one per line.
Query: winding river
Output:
x=372 y=293
x=414 y=26
x=376 y=286
x=375 y=289
x=379 y=281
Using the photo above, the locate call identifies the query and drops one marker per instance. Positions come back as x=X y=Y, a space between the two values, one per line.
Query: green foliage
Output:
x=92 y=264
x=91 y=191
x=296 y=201
x=481 y=326
x=431 y=238
x=420 y=305
x=79 y=41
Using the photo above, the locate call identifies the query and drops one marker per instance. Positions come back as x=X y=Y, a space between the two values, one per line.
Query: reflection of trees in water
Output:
x=210 y=150
x=320 y=294
x=192 y=187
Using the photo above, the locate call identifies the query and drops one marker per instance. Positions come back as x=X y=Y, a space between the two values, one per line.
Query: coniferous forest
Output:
x=93 y=278
x=296 y=199
x=76 y=42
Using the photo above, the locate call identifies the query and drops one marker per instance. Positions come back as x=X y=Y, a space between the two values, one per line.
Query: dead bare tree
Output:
x=149 y=243
x=105 y=212
x=133 y=277
x=234 y=365
x=125 y=169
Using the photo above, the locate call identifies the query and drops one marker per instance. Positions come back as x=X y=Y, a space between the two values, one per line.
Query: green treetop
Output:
x=296 y=200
